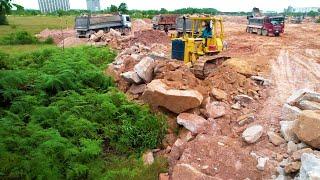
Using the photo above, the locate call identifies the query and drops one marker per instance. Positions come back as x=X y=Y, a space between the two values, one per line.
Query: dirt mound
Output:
x=72 y=41
x=228 y=79
x=141 y=24
x=220 y=157
x=56 y=34
x=148 y=37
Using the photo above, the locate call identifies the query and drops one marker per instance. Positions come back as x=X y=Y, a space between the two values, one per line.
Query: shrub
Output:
x=49 y=40
x=61 y=116
x=20 y=37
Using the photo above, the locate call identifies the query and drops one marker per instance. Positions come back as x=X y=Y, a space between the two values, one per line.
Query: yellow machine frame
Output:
x=196 y=46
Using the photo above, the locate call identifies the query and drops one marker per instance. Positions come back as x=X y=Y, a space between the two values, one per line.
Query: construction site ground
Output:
x=290 y=62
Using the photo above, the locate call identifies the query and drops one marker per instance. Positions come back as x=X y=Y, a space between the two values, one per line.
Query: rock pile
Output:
x=301 y=123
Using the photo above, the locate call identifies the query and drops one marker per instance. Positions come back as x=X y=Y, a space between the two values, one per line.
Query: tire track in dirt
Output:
x=290 y=71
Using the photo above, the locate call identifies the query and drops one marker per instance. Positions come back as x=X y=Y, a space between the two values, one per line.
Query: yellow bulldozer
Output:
x=201 y=42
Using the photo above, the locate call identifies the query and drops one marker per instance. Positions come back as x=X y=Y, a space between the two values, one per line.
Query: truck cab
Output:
x=126 y=20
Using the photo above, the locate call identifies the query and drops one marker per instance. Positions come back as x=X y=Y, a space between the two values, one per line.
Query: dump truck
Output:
x=85 y=25
x=162 y=22
x=266 y=25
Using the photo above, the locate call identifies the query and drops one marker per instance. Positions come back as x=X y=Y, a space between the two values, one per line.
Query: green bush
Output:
x=61 y=116
x=49 y=40
x=20 y=37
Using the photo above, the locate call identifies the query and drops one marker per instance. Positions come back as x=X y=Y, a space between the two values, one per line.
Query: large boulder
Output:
x=252 y=134
x=307 y=128
x=191 y=122
x=131 y=77
x=145 y=69
x=159 y=94
x=289 y=113
x=310 y=167
x=303 y=94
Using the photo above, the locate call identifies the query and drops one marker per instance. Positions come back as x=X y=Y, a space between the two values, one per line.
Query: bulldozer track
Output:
x=199 y=67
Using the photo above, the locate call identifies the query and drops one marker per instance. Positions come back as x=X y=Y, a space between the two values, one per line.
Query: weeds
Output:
x=22 y=38
x=60 y=117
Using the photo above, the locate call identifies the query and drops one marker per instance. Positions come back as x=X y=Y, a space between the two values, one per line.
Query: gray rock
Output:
x=291 y=147
x=137 y=89
x=284 y=163
x=261 y=80
x=131 y=77
x=144 y=69
x=282 y=177
x=289 y=113
x=297 y=96
x=310 y=167
x=262 y=163
x=312 y=96
x=286 y=129
x=252 y=134
x=303 y=95
x=148 y=158
x=243 y=99
x=280 y=170
x=236 y=106
x=308 y=105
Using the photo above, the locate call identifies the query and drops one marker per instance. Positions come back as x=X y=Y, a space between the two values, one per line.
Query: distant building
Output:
x=306 y=9
x=48 y=6
x=93 y=5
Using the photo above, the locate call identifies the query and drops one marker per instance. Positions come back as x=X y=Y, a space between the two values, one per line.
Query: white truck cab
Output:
x=126 y=21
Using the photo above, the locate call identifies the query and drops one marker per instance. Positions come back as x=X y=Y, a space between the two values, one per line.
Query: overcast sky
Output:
x=221 y=5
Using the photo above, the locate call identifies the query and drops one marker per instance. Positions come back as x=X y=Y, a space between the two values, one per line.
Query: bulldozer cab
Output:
x=211 y=30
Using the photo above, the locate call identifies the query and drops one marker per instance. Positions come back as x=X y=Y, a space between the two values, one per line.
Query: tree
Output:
x=123 y=8
x=312 y=14
x=113 y=8
x=5 y=8
x=163 y=11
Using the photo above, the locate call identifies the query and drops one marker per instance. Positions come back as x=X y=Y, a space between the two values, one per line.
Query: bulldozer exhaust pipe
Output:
x=184 y=26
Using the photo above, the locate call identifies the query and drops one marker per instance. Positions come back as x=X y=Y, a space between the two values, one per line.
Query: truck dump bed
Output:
x=97 y=22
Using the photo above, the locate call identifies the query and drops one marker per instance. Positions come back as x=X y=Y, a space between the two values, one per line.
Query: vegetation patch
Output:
x=61 y=118
x=22 y=38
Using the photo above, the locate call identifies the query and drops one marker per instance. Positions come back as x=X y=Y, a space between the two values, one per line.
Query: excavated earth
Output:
x=289 y=62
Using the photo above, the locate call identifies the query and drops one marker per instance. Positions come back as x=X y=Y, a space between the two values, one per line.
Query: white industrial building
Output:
x=48 y=6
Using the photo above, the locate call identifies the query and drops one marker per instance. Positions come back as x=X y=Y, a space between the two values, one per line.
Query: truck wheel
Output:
x=259 y=32
x=250 y=30
x=161 y=27
x=277 y=34
x=247 y=30
x=264 y=32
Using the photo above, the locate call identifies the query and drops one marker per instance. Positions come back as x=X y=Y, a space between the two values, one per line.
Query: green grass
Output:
x=35 y=24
